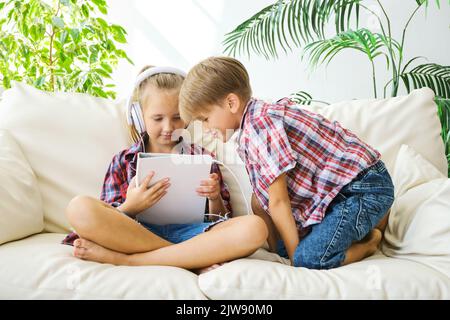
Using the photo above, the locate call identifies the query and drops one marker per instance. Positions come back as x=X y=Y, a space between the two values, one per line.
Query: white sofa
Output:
x=55 y=146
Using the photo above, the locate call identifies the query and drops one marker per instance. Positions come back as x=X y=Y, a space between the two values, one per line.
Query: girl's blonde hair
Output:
x=209 y=82
x=162 y=81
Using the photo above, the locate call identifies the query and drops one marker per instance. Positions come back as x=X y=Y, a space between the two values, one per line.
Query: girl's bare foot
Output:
x=88 y=250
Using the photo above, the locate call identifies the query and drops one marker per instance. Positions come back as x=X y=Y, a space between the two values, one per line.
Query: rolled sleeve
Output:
x=115 y=183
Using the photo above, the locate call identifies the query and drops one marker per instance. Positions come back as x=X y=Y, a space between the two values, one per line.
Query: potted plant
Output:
x=60 y=45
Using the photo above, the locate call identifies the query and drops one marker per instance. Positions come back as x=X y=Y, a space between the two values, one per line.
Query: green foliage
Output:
x=444 y=116
x=301 y=97
x=59 y=45
x=429 y=75
x=289 y=23
x=363 y=40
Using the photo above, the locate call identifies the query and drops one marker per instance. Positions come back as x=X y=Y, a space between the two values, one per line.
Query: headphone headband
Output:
x=157 y=70
x=143 y=76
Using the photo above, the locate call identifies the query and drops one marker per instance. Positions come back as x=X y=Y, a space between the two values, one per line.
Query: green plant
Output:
x=288 y=24
x=59 y=45
x=444 y=116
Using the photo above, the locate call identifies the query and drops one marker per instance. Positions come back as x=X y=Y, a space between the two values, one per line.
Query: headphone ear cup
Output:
x=137 y=117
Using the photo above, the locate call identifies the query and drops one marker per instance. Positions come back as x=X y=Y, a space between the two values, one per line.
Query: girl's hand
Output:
x=210 y=188
x=141 y=197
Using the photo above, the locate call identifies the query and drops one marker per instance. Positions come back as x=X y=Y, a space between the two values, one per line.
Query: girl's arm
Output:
x=281 y=213
x=221 y=204
x=211 y=189
x=216 y=206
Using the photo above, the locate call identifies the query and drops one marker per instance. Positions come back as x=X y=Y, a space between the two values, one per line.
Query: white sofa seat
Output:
x=377 y=277
x=40 y=267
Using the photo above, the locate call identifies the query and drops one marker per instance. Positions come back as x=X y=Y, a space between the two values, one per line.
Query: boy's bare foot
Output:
x=88 y=250
x=364 y=248
x=207 y=269
x=373 y=240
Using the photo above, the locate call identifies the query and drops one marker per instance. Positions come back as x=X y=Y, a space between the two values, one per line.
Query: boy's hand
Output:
x=210 y=188
x=141 y=197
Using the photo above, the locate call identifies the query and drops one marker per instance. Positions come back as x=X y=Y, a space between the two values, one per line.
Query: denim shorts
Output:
x=177 y=233
x=354 y=212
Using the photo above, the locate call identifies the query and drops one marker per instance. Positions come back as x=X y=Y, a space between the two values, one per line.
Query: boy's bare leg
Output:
x=273 y=235
x=101 y=223
x=229 y=240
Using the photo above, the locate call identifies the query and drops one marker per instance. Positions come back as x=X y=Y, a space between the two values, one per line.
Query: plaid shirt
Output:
x=123 y=168
x=318 y=156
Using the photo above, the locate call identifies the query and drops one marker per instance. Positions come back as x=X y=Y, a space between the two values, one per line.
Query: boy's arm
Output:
x=281 y=213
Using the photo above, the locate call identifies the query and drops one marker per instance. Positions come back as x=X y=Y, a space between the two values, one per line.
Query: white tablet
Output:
x=181 y=204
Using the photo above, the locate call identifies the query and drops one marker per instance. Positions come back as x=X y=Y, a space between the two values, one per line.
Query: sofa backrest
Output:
x=68 y=139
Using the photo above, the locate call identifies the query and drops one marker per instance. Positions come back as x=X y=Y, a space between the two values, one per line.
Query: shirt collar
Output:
x=250 y=104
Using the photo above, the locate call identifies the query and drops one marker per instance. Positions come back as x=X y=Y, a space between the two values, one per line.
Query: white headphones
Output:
x=134 y=110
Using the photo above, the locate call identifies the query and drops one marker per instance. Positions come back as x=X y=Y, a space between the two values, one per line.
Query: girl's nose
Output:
x=168 y=126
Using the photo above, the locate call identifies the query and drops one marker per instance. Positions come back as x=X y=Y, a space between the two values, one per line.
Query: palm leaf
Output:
x=427 y=3
x=301 y=97
x=431 y=75
x=289 y=23
x=304 y=98
x=444 y=115
x=363 y=40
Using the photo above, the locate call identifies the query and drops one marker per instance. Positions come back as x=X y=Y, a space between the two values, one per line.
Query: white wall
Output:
x=182 y=32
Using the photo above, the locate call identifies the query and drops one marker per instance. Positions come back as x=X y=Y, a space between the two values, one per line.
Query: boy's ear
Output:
x=232 y=102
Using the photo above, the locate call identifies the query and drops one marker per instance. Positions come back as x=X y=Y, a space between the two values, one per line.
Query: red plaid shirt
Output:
x=123 y=168
x=318 y=156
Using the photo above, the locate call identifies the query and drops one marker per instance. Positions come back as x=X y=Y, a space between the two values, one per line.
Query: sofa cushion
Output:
x=51 y=272
x=377 y=277
x=21 y=212
x=69 y=140
x=419 y=226
x=412 y=169
x=419 y=223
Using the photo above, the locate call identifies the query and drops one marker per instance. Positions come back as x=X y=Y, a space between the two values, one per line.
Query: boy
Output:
x=317 y=186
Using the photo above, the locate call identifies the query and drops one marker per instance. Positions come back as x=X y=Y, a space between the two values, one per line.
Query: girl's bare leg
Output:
x=229 y=240
x=101 y=223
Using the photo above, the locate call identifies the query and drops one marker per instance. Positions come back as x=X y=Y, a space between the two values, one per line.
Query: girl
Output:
x=107 y=230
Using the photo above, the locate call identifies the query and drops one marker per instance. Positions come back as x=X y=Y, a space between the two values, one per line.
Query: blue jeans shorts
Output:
x=354 y=212
x=176 y=233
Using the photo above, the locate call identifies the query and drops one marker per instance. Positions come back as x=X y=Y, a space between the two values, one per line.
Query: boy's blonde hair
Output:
x=162 y=81
x=209 y=82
